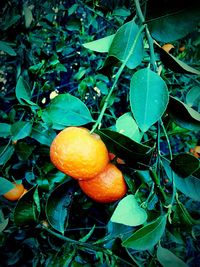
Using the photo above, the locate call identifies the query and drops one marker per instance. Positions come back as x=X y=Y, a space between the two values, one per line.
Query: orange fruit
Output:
x=15 y=193
x=106 y=187
x=181 y=48
x=113 y=156
x=167 y=47
x=195 y=151
x=78 y=153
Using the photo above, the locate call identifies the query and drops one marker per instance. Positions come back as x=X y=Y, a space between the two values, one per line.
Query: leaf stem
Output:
x=98 y=121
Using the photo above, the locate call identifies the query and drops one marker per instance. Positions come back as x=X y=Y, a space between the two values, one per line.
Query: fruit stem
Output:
x=105 y=105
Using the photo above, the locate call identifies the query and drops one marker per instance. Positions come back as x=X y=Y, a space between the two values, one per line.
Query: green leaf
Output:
x=5 y=130
x=101 y=45
x=27 y=209
x=21 y=129
x=28 y=16
x=168 y=259
x=58 y=205
x=128 y=212
x=148 y=98
x=66 y=110
x=24 y=150
x=183 y=115
x=3 y=225
x=147 y=236
x=42 y=135
x=5 y=154
x=22 y=90
x=189 y=186
x=193 y=96
x=5 y=186
x=5 y=47
x=122 y=43
x=133 y=153
x=185 y=18
x=88 y=235
x=185 y=164
x=127 y=126
x=176 y=64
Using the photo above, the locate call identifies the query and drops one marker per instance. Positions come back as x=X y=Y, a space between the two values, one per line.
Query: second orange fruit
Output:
x=106 y=187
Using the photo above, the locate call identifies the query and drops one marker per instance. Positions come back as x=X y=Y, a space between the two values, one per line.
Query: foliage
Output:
x=101 y=64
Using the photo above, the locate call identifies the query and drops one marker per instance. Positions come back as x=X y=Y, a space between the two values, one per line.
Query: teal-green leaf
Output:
x=5 y=47
x=193 y=96
x=190 y=186
x=127 y=126
x=66 y=110
x=183 y=115
x=6 y=153
x=148 y=97
x=22 y=90
x=27 y=209
x=122 y=43
x=101 y=45
x=147 y=236
x=21 y=129
x=185 y=164
x=128 y=212
x=169 y=259
x=3 y=224
x=58 y=205
x=5 y=186
x=5 y=130
x=42 y=135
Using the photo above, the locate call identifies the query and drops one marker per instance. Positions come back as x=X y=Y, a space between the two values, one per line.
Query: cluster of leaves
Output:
x=102 y=64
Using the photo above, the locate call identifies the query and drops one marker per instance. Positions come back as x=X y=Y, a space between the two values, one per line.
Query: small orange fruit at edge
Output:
x=195 y=151
x=78 y=153
x=106 y=187
x=113 y=156
x=167 y=47
x=15 y=193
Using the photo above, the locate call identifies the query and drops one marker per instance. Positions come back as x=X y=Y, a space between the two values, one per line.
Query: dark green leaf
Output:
x=122 y=43
x=66 y=110
x=6 y=153
x=3 y=225
x=58 y=205
x=148 y=98
x=185 y=164
x=189 y=186
x=173 y=24
x=5 y=47
x=168 y=259
x=24 y=150
x=5 y=130
x=21 y=129
x=176 y=64
x=128 y=212
x=22 y=90
x=183 y=115
x=10 y=21
x=5 y=186
x=27 y=209
x=147 y=236
x=123 y=147
x=101 y=45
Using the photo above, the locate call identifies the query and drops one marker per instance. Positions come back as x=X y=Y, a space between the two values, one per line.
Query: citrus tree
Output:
x=99 y=131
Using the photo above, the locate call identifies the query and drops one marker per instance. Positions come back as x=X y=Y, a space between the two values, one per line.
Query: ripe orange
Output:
x=167 y=47
x=15 y=193
x=108 y=186
x=78 y=153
